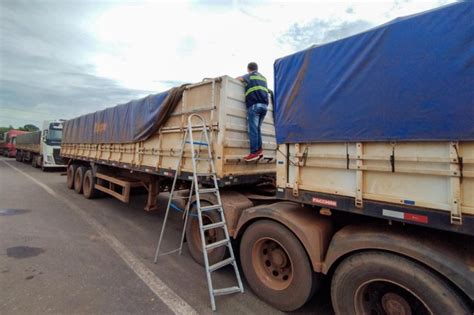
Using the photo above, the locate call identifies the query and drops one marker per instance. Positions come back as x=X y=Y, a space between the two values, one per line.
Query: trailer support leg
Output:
x=153 y=191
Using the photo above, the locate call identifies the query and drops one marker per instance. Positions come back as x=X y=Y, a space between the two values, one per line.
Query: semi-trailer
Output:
x=373 y=166
x=8 y=144
x=42 y=148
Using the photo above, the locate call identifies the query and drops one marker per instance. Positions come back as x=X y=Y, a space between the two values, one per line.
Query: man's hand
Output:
x=241 y=79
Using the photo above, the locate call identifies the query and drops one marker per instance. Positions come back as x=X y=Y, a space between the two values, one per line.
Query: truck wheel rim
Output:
x=385 y=297
x=272 y=264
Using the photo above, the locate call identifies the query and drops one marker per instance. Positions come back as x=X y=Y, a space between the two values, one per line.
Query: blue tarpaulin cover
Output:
x=126 y=123
x=411 y=79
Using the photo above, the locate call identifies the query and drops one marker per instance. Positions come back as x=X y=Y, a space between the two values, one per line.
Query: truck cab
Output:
x=41 y=148
x=51 y=135
x=7 y=144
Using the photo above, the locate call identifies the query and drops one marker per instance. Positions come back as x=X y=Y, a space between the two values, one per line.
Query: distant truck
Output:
x=42 y=148
x=373 y=164
x=8 y=144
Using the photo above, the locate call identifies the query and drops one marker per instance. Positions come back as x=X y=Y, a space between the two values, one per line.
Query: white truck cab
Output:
x=42 y=147
x=50 y=145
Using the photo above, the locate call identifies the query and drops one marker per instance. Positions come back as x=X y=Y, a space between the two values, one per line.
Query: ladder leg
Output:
x=206 y=261
x=198 y=204
x=161 y=235
x=186 y=216
x=170 y=200
x=231 y=252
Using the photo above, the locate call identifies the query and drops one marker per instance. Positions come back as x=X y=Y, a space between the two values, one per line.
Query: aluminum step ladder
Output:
x=195 y=187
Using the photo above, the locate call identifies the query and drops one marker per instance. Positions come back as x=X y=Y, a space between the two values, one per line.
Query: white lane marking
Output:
x=162 y=291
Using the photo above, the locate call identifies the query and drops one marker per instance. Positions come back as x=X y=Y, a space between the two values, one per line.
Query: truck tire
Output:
x=18 y=156
x=71 y=170
x=193 y=236
x=34 y=162
x=276 y=265
x=79 y=178
x=88 y=185
x=384 y=283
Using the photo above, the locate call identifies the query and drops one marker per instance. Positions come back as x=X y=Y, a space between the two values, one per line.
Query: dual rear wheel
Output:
x=383 y=283
x=193 y=236
x=274 y=262
x=36 y=161
x=81 y=179
x=278 y=270
x=276 y=265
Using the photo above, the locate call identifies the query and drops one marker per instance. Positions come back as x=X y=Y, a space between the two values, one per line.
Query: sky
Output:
x=65 y=58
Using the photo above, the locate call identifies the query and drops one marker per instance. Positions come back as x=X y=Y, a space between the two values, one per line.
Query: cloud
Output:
x=45 y=64
x=60 y=59
x=321 y=31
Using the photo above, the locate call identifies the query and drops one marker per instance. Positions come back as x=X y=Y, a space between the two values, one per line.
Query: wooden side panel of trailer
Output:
x=431 y=175
x=221 y=103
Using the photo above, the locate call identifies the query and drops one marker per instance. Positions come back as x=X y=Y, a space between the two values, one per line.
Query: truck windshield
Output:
x=55 y=134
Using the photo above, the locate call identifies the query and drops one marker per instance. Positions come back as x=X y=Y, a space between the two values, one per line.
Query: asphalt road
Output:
x=61 y=253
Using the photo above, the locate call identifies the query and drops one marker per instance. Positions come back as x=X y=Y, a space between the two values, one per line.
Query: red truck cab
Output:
x=7 y=146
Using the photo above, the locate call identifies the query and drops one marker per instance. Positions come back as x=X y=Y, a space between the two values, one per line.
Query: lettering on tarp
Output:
x=100 y=127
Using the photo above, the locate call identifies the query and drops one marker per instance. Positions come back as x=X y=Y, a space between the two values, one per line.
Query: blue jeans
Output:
x=255 y=115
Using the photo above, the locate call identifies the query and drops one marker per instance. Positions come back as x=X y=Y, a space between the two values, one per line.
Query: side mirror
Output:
x=45 y=135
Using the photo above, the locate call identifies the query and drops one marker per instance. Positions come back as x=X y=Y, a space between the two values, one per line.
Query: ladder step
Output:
x=224 y=291
x=213 y=226
x=221 y=264
x=203 y=159
x=210 y=208
x=197 y=142
x=217 y=244
x=207 y=190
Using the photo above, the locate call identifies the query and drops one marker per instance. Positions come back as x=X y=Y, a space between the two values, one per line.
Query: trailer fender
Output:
x=313 y=231
x=452 y=258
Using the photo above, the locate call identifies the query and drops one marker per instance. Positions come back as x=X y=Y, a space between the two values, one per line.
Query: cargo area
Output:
x=221 y=103
x=29 y=141
x=398 y=146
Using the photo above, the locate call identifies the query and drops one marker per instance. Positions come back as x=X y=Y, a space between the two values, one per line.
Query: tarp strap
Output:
x=460 y=163
x=392 y=159
x=347 y=156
